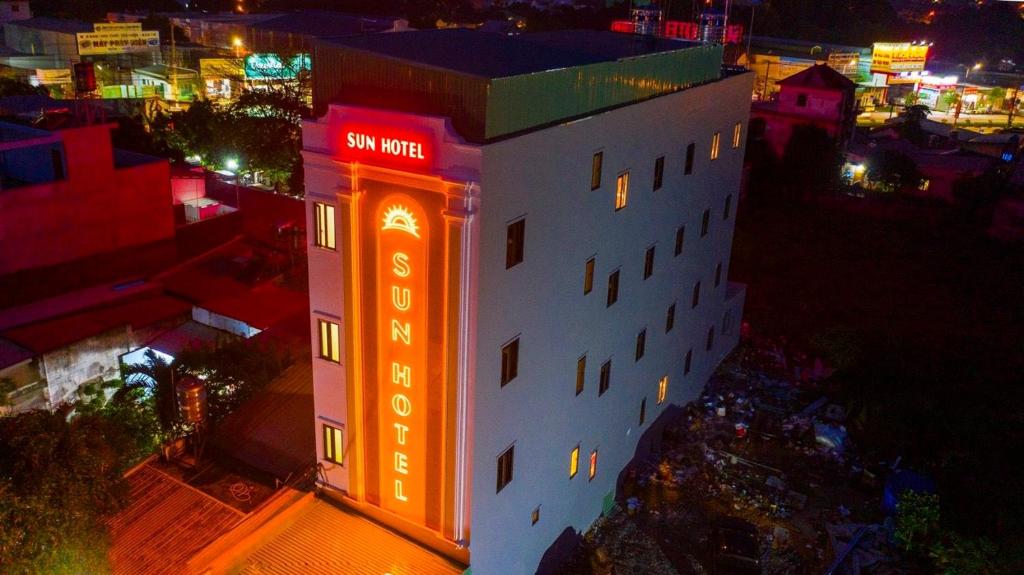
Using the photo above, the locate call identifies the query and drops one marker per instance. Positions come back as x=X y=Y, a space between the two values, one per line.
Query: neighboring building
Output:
x=296 y=32
x=12 y=10
x=774 y=59
x=818 y=96
x=69 y=194
x=46 y=36
x=518 y=260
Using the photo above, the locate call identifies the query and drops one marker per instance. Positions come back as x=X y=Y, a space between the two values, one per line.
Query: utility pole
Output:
x=172 y=70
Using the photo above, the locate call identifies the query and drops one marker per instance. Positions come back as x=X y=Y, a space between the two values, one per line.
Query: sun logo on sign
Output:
x=399 y=217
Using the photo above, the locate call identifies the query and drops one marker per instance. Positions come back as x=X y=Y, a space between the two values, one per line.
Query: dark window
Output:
x=728 y=207
x=514 y=247
x=535 y=516
x=659 y=172
x=643 y=410
x=581 y=373
x=801 y=100
x=680 y=238
x=711 y=338
x=613 y=288
x=705 y=223
x=718 y=274
x=509 y=361
x=58 y=164
x=588 y=277
x=606 y=377
x=691 y=150
x=670 y=318
x=334 y=445
x=689 y=361
x=641 y=343
x=696 y=295
x=649 y=262
x=595 y=171
x=505 y=462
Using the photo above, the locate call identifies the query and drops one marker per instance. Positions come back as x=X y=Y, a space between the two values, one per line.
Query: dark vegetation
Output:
x=922 y=316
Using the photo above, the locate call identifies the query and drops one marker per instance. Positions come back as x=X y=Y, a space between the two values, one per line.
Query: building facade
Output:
x=506 y=293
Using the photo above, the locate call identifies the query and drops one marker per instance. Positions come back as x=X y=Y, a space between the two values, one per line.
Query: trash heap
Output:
x=762 y=443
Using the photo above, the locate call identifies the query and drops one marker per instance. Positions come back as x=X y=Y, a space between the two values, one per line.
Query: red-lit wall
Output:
x=95 y=209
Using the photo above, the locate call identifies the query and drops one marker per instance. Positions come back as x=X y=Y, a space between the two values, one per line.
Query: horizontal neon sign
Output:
x=384 y=144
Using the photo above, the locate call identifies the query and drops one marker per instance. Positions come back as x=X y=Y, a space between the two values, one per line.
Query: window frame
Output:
x=680 y=241
x=662 y=390
x=588 y=275
x=596 y=166
x=515 y=242
x=509 y=361
x=737 y=130
x=710 y=344
x=621 y=190
x=592 y=472
x=574 y=461
x=716 y=142
x=643 y=412
x=695 y=296
x=330 y=340
x=641 y=345
x=718 y=274
x=324 y=225
x=613 y=288
x=333 y=439
x=581 y=374
x=605 y=380
x=649 y=261
x=727 y=208
x=507 y=466
x=670 y=317
x=688 y=362
x=691 y=153
x=659 y=173
x=705 y=223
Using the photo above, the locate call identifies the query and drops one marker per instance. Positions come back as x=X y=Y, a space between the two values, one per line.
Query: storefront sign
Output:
x=50 y=77
x=402 y=356
x=117 y=39
x=384 y=145
x=272 y=67
x=892 y=58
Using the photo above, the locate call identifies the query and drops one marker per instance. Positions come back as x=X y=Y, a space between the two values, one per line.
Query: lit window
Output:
x=516 y=236
x=535 y=516
x=689 y=361
x=595 y=171
x=334 y=445
x=670 y=318
x=581 y=373
x=643 y=410
x=718 y=274
x=680 y=238
x=593 y=464
x=649 y=262
x=715 y=140
x=606 y=378
x=696 y=295
x=509 y=361
x=588 y=277
x=574 y=461
x=613 y=288
x=505 y=462
x=621 y=190
x=659 y=172
x=736 y=131
x=727 y=211
x=705 y=223
x=330 y=341
x=641 y=344
x=691 y=150
x=711 y=338
x=662 y=389
x=323 y=215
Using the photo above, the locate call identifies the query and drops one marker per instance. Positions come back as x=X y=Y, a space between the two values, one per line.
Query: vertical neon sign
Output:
x=402 y=355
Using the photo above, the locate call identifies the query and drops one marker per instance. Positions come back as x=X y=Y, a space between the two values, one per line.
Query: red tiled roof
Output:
x=50 y=335
x=819 y=76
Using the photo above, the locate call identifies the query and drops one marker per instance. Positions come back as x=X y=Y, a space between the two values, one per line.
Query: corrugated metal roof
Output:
x=325 y=23
x=326 y=539
x=53 y=25
x=166 y=523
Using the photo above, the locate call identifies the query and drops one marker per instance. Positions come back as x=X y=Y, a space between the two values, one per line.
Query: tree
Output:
x=996 y=97
x=911 y=129
x=917 y=519
x=60 y=476
x=7 y=385
x=233 y=372
x=949 y=98
x=910 y=99
x=13 y=87
x=810 y=162
x=892 y=171
x=150 y=385
x=963 y=556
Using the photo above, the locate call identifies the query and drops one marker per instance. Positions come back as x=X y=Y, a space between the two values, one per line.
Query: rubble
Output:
x=765 y=444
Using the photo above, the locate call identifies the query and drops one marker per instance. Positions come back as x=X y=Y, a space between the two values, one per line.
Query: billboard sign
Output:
x=896 y=57
x=117 y=39
x=272 y=67
x=56 y=76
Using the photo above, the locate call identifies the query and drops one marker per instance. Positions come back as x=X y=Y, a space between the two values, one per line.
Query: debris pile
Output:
x=763 y=443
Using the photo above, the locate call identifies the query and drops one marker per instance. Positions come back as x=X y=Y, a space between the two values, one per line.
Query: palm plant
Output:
x=151 y=382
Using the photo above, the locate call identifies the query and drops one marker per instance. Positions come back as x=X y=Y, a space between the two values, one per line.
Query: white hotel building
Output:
x=519 y=252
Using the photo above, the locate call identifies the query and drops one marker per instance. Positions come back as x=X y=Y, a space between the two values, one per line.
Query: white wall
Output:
x=545 y=176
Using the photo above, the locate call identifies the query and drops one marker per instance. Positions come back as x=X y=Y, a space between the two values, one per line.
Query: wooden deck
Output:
x=324 y=539
x=165 y=524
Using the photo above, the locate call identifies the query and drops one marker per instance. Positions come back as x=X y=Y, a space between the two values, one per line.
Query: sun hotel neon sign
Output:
x=386 y=145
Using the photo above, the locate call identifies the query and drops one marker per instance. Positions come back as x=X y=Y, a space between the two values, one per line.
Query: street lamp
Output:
x=973 y=68
x=238 y=44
